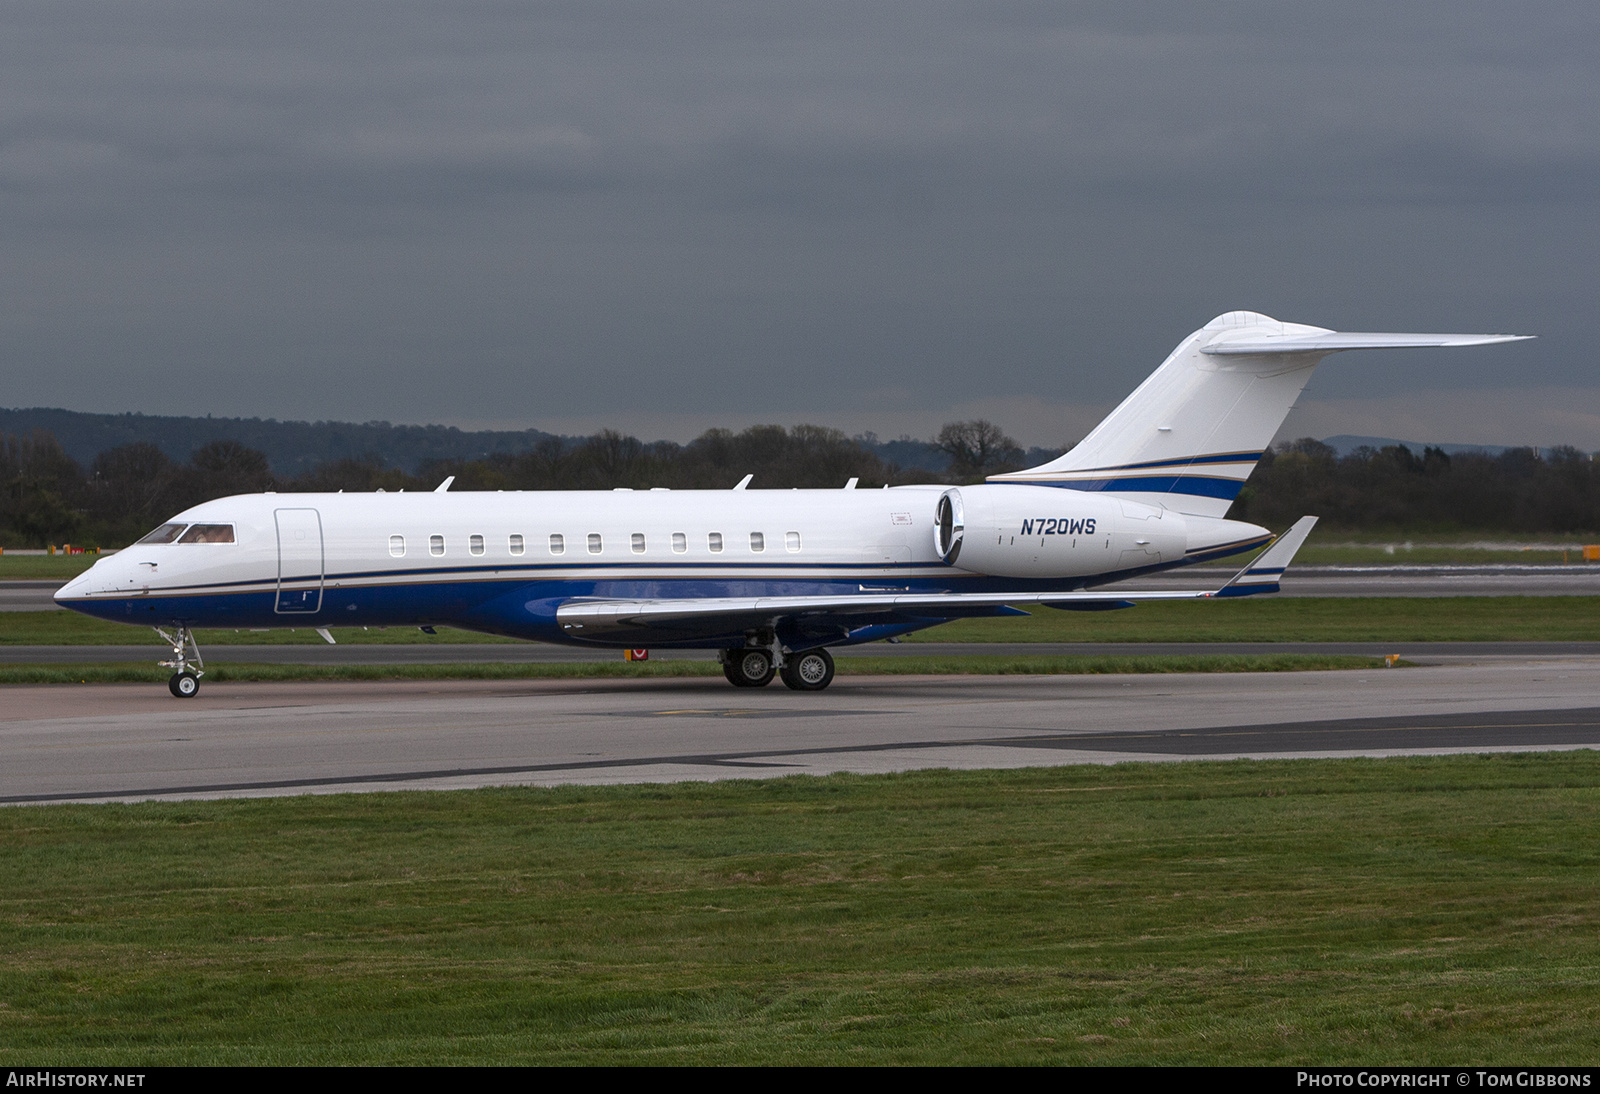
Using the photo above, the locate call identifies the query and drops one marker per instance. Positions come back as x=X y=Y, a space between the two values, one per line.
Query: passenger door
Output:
x=299 y=561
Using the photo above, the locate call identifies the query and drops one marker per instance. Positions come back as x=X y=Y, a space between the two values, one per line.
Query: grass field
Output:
x=1309 y=619
x=1242 y=619
x=43 y=567
x=1410 y=911
x=1434 y=554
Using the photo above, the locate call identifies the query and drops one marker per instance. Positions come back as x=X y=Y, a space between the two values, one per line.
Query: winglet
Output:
x=1263 y=574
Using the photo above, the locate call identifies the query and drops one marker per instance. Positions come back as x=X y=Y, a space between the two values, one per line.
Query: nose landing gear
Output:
x=185 y=681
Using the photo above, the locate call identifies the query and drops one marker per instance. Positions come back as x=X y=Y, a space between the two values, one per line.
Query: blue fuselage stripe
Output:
x=1204 y=486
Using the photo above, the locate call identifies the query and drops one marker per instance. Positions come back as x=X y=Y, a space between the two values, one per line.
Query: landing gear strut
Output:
x=185 y=682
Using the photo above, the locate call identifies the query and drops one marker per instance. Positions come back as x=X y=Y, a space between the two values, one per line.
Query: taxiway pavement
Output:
x=134 y=742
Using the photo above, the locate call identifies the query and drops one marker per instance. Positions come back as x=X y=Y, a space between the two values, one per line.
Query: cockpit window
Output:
x=165 y=534
x=208 y=533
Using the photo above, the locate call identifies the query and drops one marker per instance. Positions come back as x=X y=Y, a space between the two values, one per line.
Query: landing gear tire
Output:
x=185 y=680
x=748 y=668
x=809 y=671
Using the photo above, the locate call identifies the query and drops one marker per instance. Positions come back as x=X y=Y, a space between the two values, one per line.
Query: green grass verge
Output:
x=113 y=673
x=1241 y=619
x=1308 y=619
x=1435 y=555
x=1434 y=910
x=49 y=628
x=42 y=567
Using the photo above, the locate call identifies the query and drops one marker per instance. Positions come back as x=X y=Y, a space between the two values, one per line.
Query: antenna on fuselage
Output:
x=851 y=485
x=744 y=482
x=445 y=485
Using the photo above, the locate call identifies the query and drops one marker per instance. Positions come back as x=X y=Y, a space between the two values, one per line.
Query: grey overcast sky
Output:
x=662 y=217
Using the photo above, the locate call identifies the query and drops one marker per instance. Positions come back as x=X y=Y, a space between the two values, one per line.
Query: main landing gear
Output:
x=811 y=670
x=748 y=668
x=185 y=682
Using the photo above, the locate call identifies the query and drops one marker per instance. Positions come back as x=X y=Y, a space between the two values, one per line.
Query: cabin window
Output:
x=165 y=534
x=558 y=543
x=714 y=542
x=397 y=546
x=680 y=543
x=516 y=545
x=436 y=545
x=636 y=541
x=791 y=541
x=758 y=542
x=595 y=546
x=208 y=533
x=475 y=544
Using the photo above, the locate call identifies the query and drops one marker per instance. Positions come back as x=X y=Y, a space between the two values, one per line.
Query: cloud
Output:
x=727 y=212
x=1541 y=417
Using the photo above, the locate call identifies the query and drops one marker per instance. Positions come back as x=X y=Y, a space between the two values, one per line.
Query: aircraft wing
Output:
x=603 y=618
x=599 y=616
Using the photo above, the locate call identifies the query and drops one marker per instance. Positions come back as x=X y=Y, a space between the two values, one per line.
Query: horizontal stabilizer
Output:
x=1189 y=436
x=1333 y=341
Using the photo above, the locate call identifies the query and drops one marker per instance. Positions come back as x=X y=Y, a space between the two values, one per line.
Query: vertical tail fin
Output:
x=1189 y=436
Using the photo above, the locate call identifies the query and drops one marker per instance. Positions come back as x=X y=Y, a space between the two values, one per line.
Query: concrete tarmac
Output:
x=28 y=596
x=134 y=742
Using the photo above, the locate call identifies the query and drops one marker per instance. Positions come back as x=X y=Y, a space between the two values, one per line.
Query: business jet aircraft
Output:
x=770 y=578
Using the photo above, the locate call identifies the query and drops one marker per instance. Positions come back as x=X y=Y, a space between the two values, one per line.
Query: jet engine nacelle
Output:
x=1048 y=532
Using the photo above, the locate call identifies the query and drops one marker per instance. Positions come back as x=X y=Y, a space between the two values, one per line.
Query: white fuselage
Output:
x=503 y=561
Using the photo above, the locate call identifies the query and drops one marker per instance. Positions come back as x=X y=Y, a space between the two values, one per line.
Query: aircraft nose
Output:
x=76 y=589
x=105 y=576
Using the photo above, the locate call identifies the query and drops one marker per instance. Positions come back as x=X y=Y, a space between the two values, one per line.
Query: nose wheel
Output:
x=185 y=681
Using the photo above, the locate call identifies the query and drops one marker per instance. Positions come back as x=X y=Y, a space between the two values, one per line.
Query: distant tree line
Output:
x=294 y=448
x=48 y=497
x=1393 y=488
